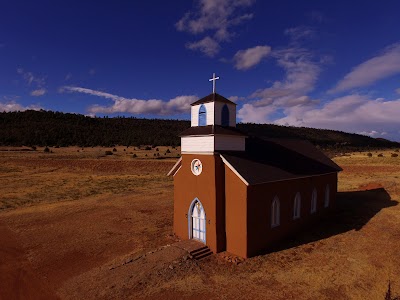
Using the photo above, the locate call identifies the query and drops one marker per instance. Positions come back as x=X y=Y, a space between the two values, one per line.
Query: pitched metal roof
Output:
x=272 y=160
x=214 y=97
x=212 y=129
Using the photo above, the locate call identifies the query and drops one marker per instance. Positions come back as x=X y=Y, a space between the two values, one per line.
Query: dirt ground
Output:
x=83 y=225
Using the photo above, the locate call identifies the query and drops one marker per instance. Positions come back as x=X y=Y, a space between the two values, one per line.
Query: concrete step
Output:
x=193 y=252
x=200 y=253
x=204 y=255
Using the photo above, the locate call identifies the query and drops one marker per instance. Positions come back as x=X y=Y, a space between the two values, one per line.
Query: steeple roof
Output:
x=213 y=97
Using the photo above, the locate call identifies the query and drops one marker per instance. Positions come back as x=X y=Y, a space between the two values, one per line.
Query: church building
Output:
x=242 y=194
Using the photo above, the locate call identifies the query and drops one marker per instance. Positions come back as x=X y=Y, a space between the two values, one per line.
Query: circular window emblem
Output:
x=196 y=167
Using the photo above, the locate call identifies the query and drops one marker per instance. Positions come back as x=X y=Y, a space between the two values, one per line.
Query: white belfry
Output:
x=213 y=80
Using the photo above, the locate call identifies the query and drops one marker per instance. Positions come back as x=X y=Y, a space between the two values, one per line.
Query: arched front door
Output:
x=198 y=222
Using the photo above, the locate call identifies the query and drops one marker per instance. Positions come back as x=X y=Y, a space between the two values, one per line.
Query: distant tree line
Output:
x=47 y=128
x=324 y=138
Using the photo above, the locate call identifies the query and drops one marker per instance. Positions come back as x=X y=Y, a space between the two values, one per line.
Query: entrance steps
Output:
x=200 y=253
x=196 y=249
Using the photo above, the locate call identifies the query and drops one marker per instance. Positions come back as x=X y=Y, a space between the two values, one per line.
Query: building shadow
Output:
x=352 y=211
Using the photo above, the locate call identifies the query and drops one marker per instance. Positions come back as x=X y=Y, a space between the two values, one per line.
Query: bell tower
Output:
x=199 y=175
x=213 y=126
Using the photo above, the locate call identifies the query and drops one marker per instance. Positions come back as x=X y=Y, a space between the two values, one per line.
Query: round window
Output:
x=196 y=167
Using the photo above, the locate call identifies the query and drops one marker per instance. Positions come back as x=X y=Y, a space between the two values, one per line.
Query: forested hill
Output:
x=47 y=128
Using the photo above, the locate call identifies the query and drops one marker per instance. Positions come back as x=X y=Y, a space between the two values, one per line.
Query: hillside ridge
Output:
x=48 y=128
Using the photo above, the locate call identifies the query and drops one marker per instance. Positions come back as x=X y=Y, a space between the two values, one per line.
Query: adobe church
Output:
x=241 y=194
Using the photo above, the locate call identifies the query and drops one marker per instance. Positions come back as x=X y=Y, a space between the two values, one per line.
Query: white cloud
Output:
x=246 y=59
x=300 y=78
x=352 y=113
x=88 y=91
x=236 y=98
x=14 y=106
x=371 y=133
x=207 y=45
x=287 y=101
x=290 y=94
x=381 y=66
x=300 y=33
x=216 y=18
x=177 y=105
x=33 y=81
x=252 y=114
x=38 y=92
x=30 y=78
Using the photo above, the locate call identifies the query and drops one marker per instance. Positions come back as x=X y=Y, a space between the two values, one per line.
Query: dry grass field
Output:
x=79 y=224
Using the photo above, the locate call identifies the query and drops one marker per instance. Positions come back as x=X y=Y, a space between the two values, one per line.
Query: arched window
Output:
x=326 y=202
x=275 y=212
x=197 y=221
x=202 y=116
x=225 y=116
x=314 y=201
x=297 y=206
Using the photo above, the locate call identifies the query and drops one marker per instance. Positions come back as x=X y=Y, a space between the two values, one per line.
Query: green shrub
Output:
x=134 y=155
x=168 y=151
x=108 y=152
x=114 y=150
x=369 y=154
x=46 y=150
x=394 y=155
x=380 y=155
x=147 y=148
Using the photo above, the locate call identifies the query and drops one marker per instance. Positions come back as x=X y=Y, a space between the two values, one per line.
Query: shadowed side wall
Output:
x=236 y=216
x=260 y=233
x=208 y=188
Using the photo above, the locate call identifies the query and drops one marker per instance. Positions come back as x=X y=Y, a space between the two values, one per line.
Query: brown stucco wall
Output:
x=260 y=234
x=235 y=214
x=208 y=187
x=239 y=216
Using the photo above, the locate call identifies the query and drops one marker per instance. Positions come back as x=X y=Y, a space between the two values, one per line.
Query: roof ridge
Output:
x=213 y=97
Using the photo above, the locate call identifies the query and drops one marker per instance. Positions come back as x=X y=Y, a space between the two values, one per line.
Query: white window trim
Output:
x=297 y=208
x=275 y=213
x=327 y=196
x=314 y=201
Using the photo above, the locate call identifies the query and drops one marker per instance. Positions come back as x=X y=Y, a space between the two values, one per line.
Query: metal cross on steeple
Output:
x=213 y=80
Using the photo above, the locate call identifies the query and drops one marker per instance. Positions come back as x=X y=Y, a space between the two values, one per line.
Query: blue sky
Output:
x=323 y=64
